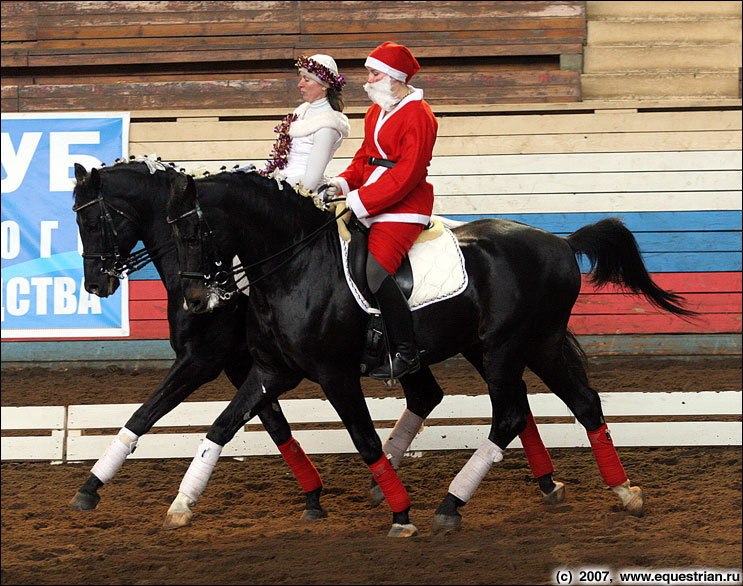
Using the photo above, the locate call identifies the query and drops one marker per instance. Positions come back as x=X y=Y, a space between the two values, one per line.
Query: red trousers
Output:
x=389 y=242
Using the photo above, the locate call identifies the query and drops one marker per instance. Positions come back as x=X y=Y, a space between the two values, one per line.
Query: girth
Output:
x=358 y=249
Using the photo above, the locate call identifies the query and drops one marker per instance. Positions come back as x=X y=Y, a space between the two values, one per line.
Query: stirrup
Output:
x=396 y=367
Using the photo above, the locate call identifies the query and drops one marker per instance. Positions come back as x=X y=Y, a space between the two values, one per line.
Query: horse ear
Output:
x=184 y=188
x=80 y=172
x=95 y=178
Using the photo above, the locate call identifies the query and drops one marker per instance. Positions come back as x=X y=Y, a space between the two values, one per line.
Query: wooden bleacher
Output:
x=102 y=55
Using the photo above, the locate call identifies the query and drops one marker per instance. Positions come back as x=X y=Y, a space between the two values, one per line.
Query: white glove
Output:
x=334 y=190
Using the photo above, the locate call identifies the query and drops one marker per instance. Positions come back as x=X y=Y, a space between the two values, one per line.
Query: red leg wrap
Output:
x=537 y=455
x=302 y=467
x=391 y=485
x=606 y=456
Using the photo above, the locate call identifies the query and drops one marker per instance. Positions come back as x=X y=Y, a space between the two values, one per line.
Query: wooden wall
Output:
x=101 y=55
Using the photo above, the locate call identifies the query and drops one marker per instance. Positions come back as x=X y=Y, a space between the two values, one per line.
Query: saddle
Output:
x=355 y=237
x=358 y=252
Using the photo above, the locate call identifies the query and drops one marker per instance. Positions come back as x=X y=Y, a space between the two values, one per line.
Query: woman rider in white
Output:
x=315 y=130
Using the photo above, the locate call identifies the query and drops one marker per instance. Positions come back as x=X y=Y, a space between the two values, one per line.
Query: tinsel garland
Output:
x=280 y=150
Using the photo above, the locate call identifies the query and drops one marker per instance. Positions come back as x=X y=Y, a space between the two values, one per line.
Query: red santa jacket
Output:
x=405 y=135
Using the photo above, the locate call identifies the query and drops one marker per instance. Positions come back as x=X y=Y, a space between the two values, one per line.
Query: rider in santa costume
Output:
x=385 y=186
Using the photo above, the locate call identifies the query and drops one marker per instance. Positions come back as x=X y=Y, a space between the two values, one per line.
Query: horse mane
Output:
x=268 y=197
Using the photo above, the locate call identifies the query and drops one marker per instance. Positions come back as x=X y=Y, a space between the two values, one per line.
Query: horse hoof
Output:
x=636 y=505
x=313 y=514
x=177 y=520
x=85 y=501
x=446 y=523
x=407 y=530
x=556 y=496
x=376 y=496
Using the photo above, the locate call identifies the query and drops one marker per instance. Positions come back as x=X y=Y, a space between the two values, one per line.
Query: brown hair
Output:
x=336 y=100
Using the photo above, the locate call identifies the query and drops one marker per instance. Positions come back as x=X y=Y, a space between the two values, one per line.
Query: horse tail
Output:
x=615 y=258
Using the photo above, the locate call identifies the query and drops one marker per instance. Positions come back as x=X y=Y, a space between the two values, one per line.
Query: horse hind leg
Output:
x=537 y=456
x=503 y=371
x=563 y=371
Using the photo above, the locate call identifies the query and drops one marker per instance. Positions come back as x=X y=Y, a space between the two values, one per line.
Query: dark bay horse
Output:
x=304 y=323
x=117 y=207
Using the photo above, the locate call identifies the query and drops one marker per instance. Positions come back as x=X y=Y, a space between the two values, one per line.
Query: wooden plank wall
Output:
x=105 y=55
x=673 y=177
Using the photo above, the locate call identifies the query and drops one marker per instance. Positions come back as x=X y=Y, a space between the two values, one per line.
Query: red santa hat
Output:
x=395 y=60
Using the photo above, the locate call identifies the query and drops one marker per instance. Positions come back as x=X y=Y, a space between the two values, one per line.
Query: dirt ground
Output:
x=247 y=527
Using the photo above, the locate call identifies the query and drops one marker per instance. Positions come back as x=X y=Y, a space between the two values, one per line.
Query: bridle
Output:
x=217 y=279
x=121 y=265
x=218 y=282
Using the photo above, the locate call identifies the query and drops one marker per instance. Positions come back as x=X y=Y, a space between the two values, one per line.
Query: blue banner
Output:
x=43 y=293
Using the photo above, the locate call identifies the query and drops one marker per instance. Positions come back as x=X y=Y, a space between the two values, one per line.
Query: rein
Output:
x=121 y=266
x=216 y=284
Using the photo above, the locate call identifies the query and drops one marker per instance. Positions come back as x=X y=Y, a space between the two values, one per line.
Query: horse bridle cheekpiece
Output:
x=217 y=281
x=121 y=265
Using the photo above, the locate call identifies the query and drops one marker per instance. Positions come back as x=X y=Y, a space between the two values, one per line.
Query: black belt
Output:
x=381 y=162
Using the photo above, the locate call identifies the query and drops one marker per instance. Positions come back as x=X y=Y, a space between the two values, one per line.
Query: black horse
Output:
x=304 y=322
x=117 y=207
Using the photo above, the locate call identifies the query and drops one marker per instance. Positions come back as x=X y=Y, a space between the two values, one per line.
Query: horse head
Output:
x=108 y=233
x=203 y=272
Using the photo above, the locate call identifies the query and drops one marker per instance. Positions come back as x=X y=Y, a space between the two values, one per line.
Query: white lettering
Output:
x=88 y=303
x=60 y=159
x=45 y=239
x=11 y=239
x=41 y=284
x=64 y=296
x=16 y=163
x=17 y=286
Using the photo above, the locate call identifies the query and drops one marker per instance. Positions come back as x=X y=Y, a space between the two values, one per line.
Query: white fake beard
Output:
x=380 y=92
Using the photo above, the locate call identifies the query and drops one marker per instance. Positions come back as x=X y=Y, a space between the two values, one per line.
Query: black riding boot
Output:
x=398 y=322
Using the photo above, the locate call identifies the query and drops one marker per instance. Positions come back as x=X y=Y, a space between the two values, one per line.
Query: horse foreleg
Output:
x=185 y=376
x=395 y=447
x=344 y=393
x=254 y=395
x=87 y=498
x=422 y=394
x=193 y=484
x=307 y=476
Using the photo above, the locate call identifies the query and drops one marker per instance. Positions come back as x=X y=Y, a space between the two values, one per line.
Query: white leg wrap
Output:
x=466 y=482
x=402 y=436
x=198 y=473
x=121 y=446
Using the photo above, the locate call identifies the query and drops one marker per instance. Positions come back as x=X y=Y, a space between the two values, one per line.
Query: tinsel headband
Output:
x=322 y=73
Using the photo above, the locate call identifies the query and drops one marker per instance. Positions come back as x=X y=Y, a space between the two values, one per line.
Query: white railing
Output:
x=67 y=431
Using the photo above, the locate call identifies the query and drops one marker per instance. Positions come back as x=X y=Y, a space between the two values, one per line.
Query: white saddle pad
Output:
x=438 y=272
